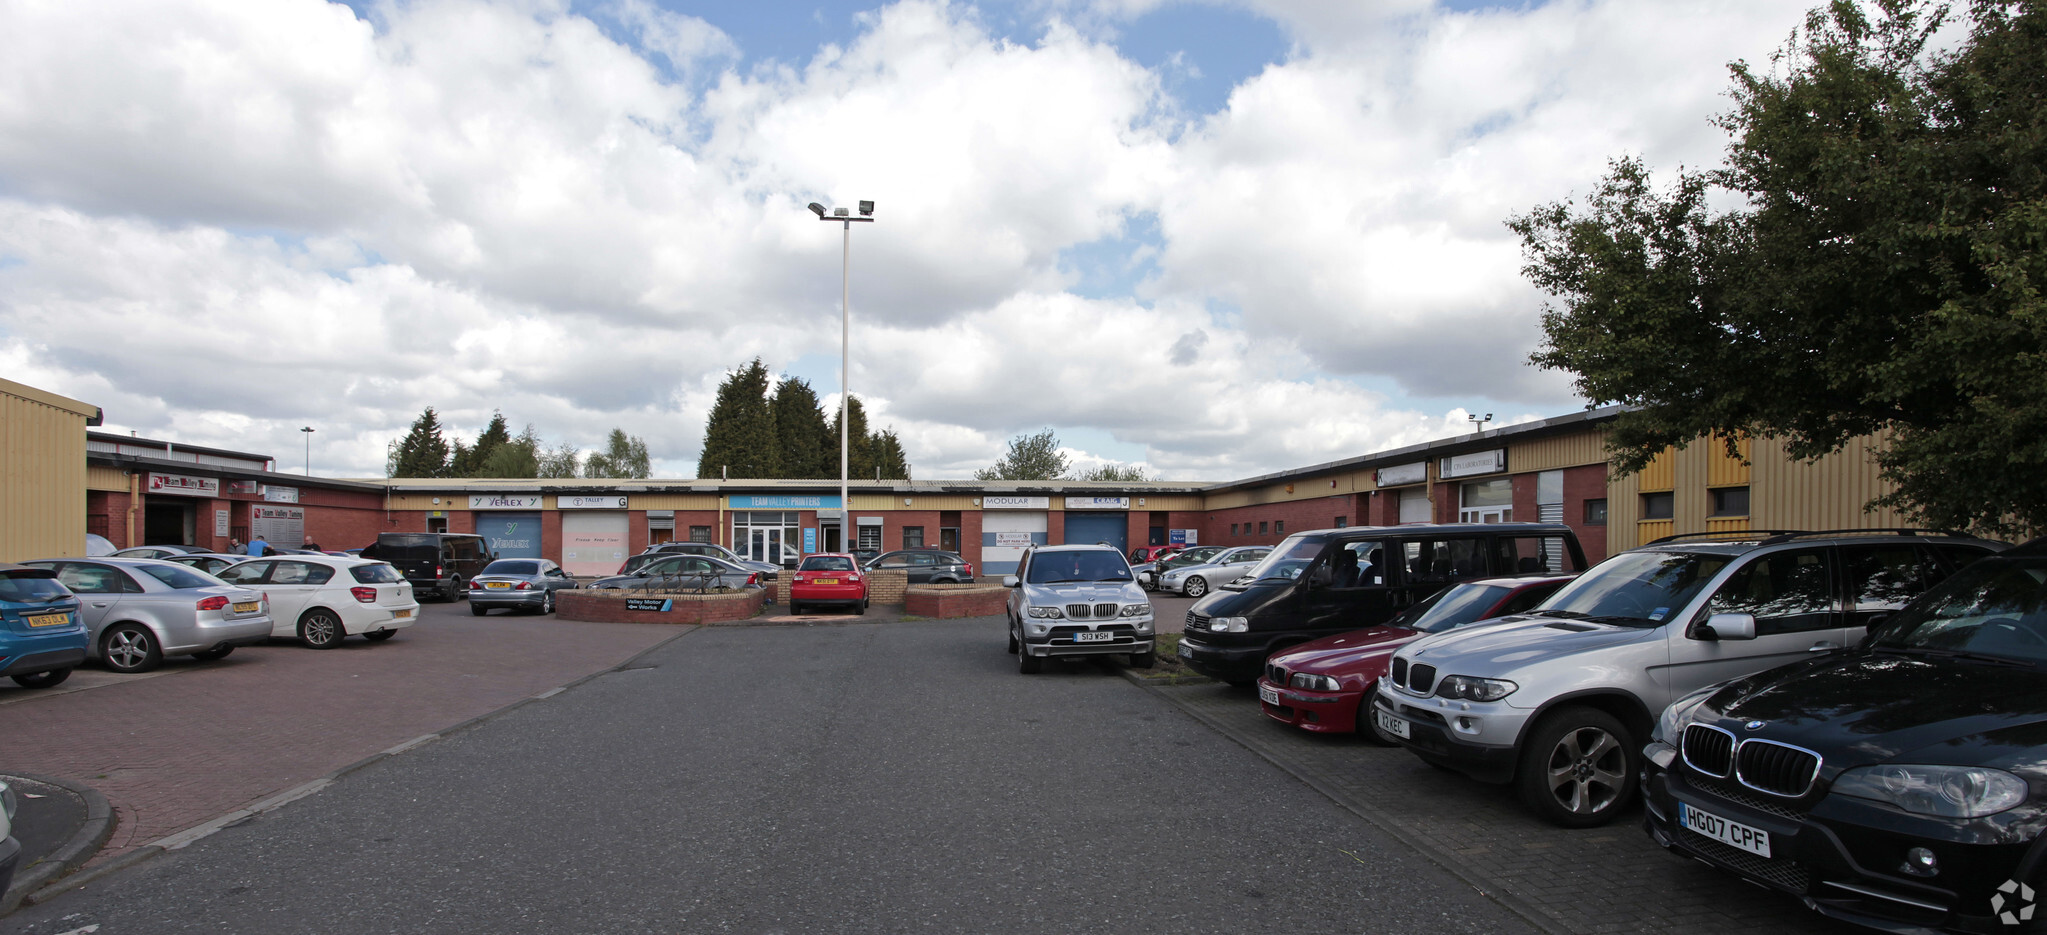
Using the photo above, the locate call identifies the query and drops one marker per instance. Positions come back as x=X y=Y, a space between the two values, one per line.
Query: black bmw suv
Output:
x=1900 y=785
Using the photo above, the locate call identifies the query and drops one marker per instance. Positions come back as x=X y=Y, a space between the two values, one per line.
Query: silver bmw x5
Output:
x=1077 y=600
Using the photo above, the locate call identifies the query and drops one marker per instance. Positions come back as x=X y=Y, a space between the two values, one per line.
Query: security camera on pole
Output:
x=845 y=353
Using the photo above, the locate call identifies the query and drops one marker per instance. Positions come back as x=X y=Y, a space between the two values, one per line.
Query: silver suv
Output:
x=1560 y=700
x=1077 y=600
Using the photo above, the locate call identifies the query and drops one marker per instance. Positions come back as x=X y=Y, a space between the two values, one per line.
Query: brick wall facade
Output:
x=954 y=601
x=611 y=607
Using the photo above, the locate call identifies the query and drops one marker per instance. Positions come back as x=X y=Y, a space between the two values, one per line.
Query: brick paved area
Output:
x=197 y=740
x=1599 y=880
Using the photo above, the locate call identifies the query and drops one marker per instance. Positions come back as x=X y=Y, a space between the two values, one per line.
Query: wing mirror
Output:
x=1009 y=581
x=1729 y=627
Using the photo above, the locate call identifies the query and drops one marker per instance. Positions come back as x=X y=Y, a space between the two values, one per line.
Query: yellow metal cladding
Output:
x=106 y=478
x=1826 y=494
x=1187 y=502
x=1559 y=451
x=1661 y=472
x=1650 y=530
x=671 y=501
x=42 y=473
x=1728 y=524
x=1723 y=470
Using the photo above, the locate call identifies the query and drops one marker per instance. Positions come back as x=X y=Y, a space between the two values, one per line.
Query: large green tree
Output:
x=807 y=447
x=1113 y=472
x=623 y=456
x=739 y=437
x=514 y=457
x=470 y=460
x=423 y=452
x=1030 y=457
x=1881 y=271
x=889 y=459
x=859 y=444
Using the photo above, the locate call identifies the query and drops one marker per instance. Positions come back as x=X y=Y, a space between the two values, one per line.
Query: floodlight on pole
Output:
x=308 y=430
x=845 y=352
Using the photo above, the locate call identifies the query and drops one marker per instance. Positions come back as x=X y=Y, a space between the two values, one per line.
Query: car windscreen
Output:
x=1992 y=609
x=1193 y=556
x=1635 y=588
x=511 y=568
x=1070 y=567
x=827 y=563
x=178 y=576
x=1456 y=606
x=1287 y=560
x=31 y=588
x=378 y=573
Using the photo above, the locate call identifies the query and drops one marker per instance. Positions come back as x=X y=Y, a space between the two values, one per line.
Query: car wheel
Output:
x=217 y=652
x=861 y=608
x=1012 y=640
x=1578 y=769
x=454 y=592
x=378 y=636
x=795 y=609
x=1196 y=586
x=547 y=603
x=1029 y=664
x=320 y=629
x=49 y=679
x=1144 y=660
x=130 y=647
x=475 y=609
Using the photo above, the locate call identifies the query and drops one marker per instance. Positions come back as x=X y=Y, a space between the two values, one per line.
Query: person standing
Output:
x=257 y=547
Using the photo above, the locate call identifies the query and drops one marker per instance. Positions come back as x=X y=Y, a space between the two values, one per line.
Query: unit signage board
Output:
x=1012 y=540
x=504 y=501
x=1016 y=503
x=184 y=486
x=809 y=539
x=783 y=501
x=283 y=526
x=245 y=487
x=656 y=604
x=1400 y=474
x=594 y=503
x=1477 y=462
x=281 y=494
x=1098 y=503
x=220 y=522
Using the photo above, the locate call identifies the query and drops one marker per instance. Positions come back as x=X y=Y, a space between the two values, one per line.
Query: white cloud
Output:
x=224 y=221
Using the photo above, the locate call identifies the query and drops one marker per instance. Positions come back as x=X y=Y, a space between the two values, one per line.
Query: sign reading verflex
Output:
x=504 y=501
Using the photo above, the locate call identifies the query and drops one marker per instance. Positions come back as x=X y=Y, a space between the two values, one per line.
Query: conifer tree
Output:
x=859 y=445
x=888 y=455
x=423 y=452
x=739 y=437
x=469 y=460
x=808 y=448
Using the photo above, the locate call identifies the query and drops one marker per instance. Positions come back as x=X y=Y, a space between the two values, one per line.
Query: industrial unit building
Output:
x=138 y=491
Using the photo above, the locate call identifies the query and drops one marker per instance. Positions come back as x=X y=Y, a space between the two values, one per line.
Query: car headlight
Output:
x=1313 y=683
x=1943 y=791
x=1670 y=725
x=1471 y=688
x=1229 y=624
x=1047 y=612
x=1136 y=610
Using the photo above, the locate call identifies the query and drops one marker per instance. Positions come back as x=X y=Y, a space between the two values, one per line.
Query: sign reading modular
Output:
x=1016 y=503
x=1400 y=474
x=1098 y=503
x=1478 y=462
x=504 y=501
x=593 y=503
x=184 y=486
x=783 y=502
x=283 y=526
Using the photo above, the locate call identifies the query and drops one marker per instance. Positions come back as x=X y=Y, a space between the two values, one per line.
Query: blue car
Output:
x=42 y=636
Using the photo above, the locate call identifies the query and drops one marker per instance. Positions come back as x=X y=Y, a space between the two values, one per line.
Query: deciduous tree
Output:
x=1030 y=457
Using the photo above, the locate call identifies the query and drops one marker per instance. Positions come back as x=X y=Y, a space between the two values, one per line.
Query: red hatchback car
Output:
x=828 y=578
x=1318 y=686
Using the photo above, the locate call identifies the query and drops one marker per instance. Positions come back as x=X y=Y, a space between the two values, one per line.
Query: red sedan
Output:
x=1319 y=686
x=828 y=578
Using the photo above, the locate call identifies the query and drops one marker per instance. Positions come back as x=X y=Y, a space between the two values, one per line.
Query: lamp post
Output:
x=846 y=219
x=1477 y=422
x=308 y=430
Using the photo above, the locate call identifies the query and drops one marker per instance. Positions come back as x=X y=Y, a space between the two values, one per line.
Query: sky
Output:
x=1215 y=238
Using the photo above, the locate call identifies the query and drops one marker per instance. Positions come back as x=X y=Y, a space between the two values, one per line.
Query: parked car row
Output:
x=1857 y=719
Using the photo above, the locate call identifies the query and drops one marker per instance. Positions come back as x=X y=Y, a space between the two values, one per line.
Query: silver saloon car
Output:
x=518 y=584
x=1224 y=567
x=682 y=573
x=139 y=610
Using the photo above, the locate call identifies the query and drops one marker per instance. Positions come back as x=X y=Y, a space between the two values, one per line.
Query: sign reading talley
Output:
x=184 y=486
x=1400 y=474
x=1016 y=503
x=1098 y=503
x=1477 y=462
x=504 y=501
x=591 y=503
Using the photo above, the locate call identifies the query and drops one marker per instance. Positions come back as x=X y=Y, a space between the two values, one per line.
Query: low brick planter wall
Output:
x=949 y=601
x=634 y=607
x=883 y=587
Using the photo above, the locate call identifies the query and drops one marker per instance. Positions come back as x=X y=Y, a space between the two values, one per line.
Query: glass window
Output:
x=245 y=573
x=22 y=588
x=1729 y=501
x=1883 y=577
x=1453 y=607
x=301 y=573
x=96 y=579
x=1233 y=529
x=1287 y=560
x=700 y=534
x=1342 y=521
x=1261 y=528
x=913 y=537
x=178 y=576
x=378 y=573
x=1499 y=492
x=1788 y=592
x=1523 y=555
x=870 y=538
x=1595 y=512
x=1994 y=608
x=512 y=568
x=1659 y=505
x=1636 y=588
x=1279 y=528
x=1443 y=560
x=1079 y=565
x=464 y=548
x=827 y=563
x=923 y=559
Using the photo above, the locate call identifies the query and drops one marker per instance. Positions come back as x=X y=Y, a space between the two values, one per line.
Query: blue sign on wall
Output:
x=1178 y=537
x=781 y=502
x=809 y=539
x=511 y=535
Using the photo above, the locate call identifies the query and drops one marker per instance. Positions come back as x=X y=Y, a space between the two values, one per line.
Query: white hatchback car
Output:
x=321 y=599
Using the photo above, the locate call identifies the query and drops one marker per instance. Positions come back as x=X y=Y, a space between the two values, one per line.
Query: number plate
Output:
x=48 y=620
x=248 y=607
x=1390 y=724
x=1268 y=694
x=400 y=614
x=824 y=581
x=497 y=586
x=1731 y=833
x=1186 y=650
x=1094 y=636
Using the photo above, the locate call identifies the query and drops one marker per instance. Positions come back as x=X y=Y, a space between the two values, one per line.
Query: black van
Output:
x=1330 y=581
x=435 y=562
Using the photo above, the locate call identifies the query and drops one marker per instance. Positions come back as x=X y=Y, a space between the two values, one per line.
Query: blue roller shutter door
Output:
x=1090 y=528
x=511 y=535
